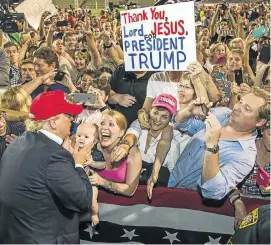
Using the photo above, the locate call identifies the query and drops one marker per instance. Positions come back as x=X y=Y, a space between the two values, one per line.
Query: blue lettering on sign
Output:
x=165 y=60
x=133 y=32
x=143 y=59
x=153 y=52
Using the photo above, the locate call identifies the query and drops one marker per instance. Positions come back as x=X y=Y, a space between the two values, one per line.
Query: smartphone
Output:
x=263 y=178
x=260 y=31
x=220 y=76
x=226 y=85
x=205 y=109
x=59 y=76
x=238 y=77
x=85 y=98
x=62 y=23
x=265 y=54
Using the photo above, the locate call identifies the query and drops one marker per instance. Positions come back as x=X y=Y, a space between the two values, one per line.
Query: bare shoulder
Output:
x=134 y=151
x=135 y=156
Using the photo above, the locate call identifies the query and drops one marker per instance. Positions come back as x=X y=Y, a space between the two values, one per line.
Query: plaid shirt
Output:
x=250 y=187
x=14 y=76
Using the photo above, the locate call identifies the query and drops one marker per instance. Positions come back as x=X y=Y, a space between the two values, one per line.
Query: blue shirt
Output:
x=236 y=159
x=54 y=87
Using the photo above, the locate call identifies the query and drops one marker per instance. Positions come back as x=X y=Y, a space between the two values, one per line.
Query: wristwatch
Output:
x=213 y=150
x=109 y=186
x=234 y=198
x=104 y=108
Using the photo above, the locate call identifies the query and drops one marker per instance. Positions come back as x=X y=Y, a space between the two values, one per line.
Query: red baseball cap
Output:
x=166 y=101
x=50 y=104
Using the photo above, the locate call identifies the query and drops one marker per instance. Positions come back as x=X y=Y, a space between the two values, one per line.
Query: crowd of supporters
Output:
x=206 y=128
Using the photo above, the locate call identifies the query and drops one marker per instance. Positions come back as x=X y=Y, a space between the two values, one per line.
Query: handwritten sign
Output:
x=160 y=38
x=33 y=9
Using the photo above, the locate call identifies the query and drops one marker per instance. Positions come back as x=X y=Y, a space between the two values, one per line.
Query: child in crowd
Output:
x=87 y=133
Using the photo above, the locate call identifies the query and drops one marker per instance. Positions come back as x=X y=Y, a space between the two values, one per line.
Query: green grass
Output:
x=96 y=11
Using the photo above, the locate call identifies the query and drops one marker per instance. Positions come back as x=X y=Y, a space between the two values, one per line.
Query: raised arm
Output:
x=31 y=86
x=93 y=49
x=50 y=35
x=162 y=150
x=213 y=21
x=25 y=27
x=232 y=21
x=241 y=32
x=250 y=39
x=109 y=45
x=4 y=66
x=41 y=28
x=23 y=50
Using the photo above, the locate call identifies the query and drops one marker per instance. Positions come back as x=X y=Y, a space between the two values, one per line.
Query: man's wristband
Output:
x=234 y=199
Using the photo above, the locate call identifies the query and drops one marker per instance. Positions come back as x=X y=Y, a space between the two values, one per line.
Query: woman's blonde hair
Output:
x=236 y=40
x=17 y=99
x=214 y=47
x=119 y=117
x=238 y=51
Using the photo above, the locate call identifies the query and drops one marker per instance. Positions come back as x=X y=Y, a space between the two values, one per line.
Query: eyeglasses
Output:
x=184 y=87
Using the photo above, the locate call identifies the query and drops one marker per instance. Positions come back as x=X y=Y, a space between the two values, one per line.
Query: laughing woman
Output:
x=122 y=176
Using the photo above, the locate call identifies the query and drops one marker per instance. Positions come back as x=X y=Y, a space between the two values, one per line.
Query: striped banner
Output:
x=175 y=216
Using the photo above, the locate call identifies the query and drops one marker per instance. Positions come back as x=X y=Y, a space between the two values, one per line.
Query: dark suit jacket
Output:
x=41 y=192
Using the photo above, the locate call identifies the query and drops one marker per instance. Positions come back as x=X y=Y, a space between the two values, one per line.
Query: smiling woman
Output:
x=119 y=176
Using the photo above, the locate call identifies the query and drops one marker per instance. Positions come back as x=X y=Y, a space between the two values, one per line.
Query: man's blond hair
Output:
x=34 y=126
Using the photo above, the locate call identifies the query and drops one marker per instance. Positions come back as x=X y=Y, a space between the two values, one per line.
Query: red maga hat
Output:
x=50 y=104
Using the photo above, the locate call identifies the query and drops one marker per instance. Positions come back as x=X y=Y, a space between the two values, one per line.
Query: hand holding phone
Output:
x=238 y=77
x=84 y=98
x=62 y=23
x=205 y=109
x=220 y=76
x=226 y=87
x=261 y=31
x=264 y=56
x=59 y=76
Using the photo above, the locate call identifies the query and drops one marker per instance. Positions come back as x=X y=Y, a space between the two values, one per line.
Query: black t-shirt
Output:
x=123 y=82
x=225 y=39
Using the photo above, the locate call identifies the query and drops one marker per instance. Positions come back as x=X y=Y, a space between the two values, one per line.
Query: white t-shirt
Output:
x=142 y=134
x=160 y=83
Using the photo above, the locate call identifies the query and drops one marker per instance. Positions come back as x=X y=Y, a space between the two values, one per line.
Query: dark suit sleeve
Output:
x=70 y=185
